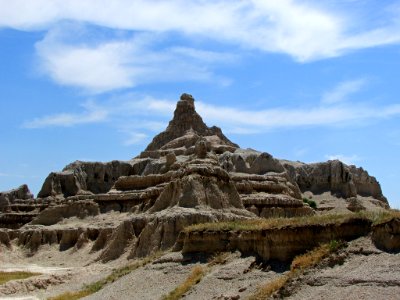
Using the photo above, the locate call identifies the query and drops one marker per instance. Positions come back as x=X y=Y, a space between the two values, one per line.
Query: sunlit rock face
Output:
x=190 y=173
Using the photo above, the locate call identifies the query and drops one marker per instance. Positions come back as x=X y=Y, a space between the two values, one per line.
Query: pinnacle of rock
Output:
x=186 y=121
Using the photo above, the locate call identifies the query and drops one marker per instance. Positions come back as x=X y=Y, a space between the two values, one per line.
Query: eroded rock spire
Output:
x=186 y=120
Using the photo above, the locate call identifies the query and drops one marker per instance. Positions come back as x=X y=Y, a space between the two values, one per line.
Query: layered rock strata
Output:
x=281 y=244
x=188 y=174
x=18 y=207
x=9 y=198
x=335 y=177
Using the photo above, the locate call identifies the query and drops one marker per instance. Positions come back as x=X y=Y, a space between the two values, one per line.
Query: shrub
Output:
x=312 y=203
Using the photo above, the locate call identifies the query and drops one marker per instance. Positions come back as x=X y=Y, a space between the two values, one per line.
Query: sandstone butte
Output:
x=189 y=174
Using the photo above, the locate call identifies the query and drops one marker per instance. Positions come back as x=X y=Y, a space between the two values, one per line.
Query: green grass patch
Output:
x=310 y=202
x=116 y=274
x=8 y=276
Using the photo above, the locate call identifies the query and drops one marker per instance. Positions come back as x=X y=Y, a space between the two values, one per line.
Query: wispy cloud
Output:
x=92 y=113
x=343 y=90
x=275 y=118
x=17 y=175
x=151 y=115
x=117 y=110
x=347 y=159
x=304 y=30
x=135 y=138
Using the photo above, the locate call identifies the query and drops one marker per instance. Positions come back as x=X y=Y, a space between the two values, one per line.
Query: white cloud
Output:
x=122 y=63
x=96 y=69
x=91 y=114
x=343 y=90
x=347 y=159
x=304 y=30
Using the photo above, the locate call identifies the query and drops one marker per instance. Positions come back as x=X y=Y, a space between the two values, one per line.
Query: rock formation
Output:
x=337 y=178
x=18 y=207
x=188 y=174
x=187 y=123
x=11 y=197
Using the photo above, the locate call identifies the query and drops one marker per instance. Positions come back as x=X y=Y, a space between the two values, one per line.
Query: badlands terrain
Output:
x=194 y=216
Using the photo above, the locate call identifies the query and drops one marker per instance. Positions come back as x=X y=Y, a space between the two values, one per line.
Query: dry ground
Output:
x=365 y=273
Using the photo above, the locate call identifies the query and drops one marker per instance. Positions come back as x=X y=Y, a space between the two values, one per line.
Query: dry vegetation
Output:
x=262 y=224
x=194 y=277
x=299 y=264
x=219 y=259
x=270 y=287
x=116 y=274
x=8 y=276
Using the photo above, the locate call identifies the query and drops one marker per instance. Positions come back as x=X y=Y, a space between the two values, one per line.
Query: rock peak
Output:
x=186 y=120
x=187 y=97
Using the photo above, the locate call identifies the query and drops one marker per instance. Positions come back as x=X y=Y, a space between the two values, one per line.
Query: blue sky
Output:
x=96 y=80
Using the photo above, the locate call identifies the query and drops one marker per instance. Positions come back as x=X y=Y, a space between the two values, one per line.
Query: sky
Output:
x=95 y=80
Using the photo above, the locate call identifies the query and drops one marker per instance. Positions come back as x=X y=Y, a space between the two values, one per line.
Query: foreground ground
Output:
x=358 y=271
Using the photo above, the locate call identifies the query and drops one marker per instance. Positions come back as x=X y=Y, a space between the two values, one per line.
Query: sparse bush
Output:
x=311 y=203
x=335 y=245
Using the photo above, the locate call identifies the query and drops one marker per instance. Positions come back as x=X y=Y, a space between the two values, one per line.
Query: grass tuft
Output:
x=194 y=278
x=72 y=295
x=8 y=276
x=270 y=287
